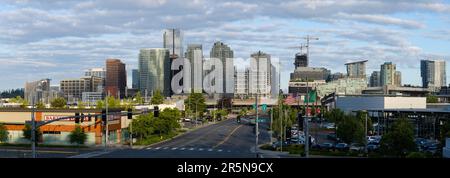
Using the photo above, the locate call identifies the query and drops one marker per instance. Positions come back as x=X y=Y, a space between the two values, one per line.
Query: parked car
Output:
x=278 y=144
x=326 y=146
x=342 y=146
x=187 y=119
x=356 y=147
x=372 y=147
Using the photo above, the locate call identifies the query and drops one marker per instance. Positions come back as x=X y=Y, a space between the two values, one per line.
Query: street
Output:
x=226 y=139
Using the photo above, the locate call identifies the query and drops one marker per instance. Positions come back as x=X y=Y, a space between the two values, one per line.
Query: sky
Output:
x=60 y=39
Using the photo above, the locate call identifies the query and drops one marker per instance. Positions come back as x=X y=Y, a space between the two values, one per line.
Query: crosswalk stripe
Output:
x=200 y=149
x=157 y=148
x=191 y=149
x=219 y=150
x=210 y=149
x=149 y=148
x=228 y=151
x=174 y=148
x=183 y=148
x=165 y=148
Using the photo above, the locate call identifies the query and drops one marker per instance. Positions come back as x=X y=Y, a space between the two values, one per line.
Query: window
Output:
x=51 y=132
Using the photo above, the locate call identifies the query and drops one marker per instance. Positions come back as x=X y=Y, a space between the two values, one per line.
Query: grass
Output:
x=156 y=138
x=42 y=145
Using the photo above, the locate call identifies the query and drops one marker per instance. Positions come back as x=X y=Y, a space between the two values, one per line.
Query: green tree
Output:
x=157 y=98
x=196 y=103
x=113 y=102
x=399 y=140
x=78 y=136
x=361 y=116
x=40 y=105
x=27 y=133
x=100 y=104
x=143 y=126
x=138 y=98
x=350 y=129
x=3 y=133
x=81 y=105
x=58 y=103
x=432 y=99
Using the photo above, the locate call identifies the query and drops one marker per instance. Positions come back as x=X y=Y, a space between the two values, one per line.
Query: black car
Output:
x=342 y=147
x=324 y=146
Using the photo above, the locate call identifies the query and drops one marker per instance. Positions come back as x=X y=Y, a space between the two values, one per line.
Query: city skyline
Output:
x=35 y=48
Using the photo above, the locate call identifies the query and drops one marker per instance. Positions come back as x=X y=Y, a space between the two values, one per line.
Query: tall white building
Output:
x=241 y=82
x=194 y=54
x=96 y=72
x=260 y=74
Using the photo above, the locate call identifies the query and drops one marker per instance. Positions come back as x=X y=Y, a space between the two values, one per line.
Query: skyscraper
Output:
x=375 y=79
x=194 y=54
x=241 y=82
x=116 y=78
x=356 y=69
x=387 y=74
x=301 y=60
x=37 y=91
x=260 y=74
x=97 y=72
x=225 y=54
x=135 y=75
x=173 y=40
x=398 y=78
x=154 y=70
x=433 y=73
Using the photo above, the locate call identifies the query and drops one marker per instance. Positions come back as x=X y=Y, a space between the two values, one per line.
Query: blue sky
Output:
x=59 y=39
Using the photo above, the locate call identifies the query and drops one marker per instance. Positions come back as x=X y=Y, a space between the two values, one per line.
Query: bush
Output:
x=266 y=147
x=416 y=155
x=296 y=149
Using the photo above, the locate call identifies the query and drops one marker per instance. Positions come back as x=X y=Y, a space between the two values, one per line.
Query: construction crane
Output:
x=298 y=47
x=308 y=38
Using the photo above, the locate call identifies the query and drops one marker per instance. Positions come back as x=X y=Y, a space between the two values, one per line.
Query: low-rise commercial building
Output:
x=57 y=133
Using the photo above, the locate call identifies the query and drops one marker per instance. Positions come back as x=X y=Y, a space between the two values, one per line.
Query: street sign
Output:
x=254 y=106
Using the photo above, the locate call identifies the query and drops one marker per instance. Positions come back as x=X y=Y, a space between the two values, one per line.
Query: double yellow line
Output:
x=228 y=137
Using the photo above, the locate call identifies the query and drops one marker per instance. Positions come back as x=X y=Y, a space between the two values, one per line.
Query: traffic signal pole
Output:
x=256 y=130
x=33 y=132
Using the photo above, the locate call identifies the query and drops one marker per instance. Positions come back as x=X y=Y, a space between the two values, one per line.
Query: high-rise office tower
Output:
x=387 y=74
x=37 y=91
x=97 y=72
x=225 y=55
x=241 y=82
x=301 y=60
x=194 y=54
x=116 y=78
x=135 y=76
x=173 y=40
x=356 y=69
x=433 y=73
x=154 y=71
x=398 y=78
x=260 y=74
x=375 y=79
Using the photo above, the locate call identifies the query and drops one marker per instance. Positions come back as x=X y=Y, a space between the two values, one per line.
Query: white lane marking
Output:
x=157 y=148
x=228 y=151
x=200 y=149
x=165 y=148
x=149 y=148
x=210 y=149
x=174 y=148
x=219 y=150
x=183 y=148
x=191 y=149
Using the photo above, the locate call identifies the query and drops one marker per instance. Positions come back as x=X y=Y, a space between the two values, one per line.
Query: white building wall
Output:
x=355 y=103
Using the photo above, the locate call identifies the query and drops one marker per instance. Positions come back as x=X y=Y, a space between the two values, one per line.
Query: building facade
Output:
x=241 y=83
x=356 y=69
x=194 y=54
x=224 y=53
x=173 y=41
x=72 y=89
x=116 y=78
x=387 y=74
x=154 y=70
x=433 y=73
x=260 y=74
x=375 y=79
x=97 y=72
x=345 y=86
x=310 y=73
x=38 y=91
x=135 y=77
x=301 y=60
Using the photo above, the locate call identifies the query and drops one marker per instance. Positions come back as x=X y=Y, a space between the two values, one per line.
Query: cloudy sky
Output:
x=59 y=39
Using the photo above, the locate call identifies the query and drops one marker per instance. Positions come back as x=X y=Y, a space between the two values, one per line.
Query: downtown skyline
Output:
x=34 y=46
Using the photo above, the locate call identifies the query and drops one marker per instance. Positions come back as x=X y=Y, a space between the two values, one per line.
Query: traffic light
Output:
x=130 y=113
x=104 y=116
x=77 y=118
x=288 y=133
x=89 y=117
x=82 y=118
x=300 y=120
x=156 y=111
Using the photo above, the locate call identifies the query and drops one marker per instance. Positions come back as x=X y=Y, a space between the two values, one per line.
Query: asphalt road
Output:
x=226 y=139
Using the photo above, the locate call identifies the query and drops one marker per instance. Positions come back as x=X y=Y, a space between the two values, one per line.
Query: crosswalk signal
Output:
x=130 y=113
x=82 y=117
x=104 y=116
x=77 y=118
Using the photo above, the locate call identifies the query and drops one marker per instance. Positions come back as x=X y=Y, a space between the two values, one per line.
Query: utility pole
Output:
x=131 y=132
x=271 y=127
x=256 y=129
x=306 y=121
x=33 y=129
x=106 y=122
x=365 y=138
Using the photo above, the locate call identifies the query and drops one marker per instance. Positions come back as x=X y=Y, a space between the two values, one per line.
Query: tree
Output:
x=58 y=103
x=196 y=103
x=27 y=133
x=399 y=140
x=78 y=136
x=3 y=133
x=432 y=99
x=350 y=129
x=138 y=98
x=157 y=98
x=100 y=104
x=361 y=116
x=143 y=126
x=81 y=105
x=40 y=105
x=113 y=102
